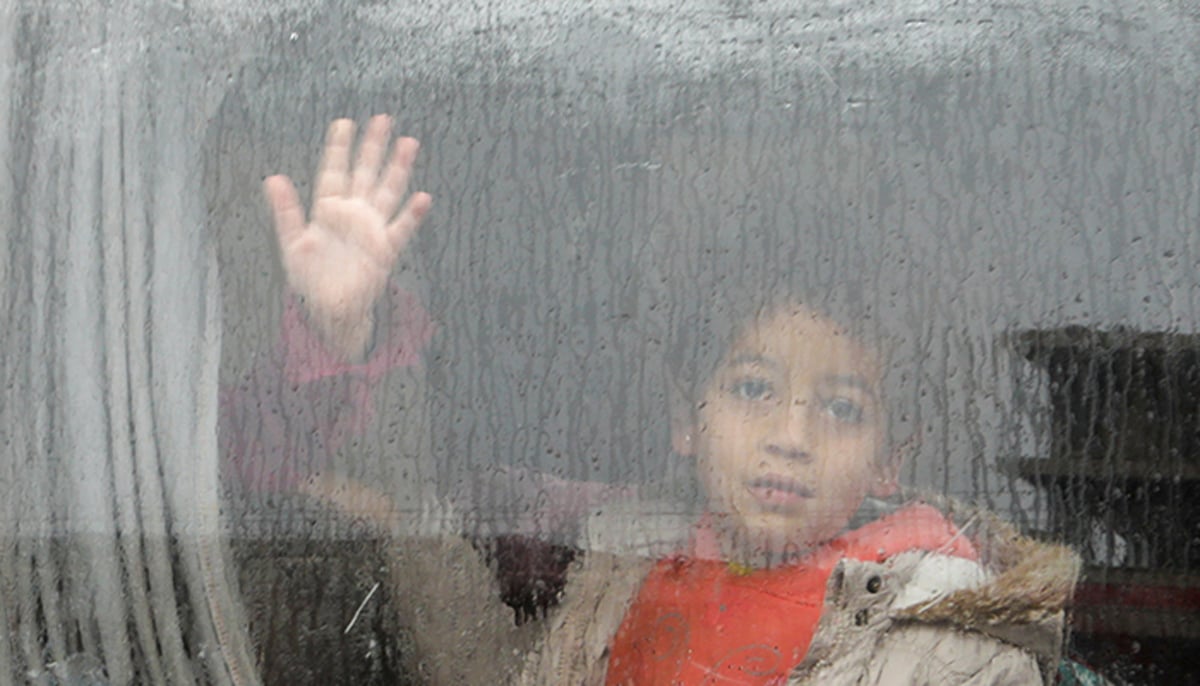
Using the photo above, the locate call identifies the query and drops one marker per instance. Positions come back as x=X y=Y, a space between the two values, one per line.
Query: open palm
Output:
x=338 y=258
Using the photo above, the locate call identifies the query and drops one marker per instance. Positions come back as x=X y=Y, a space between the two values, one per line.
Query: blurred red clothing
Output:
x=286 y=420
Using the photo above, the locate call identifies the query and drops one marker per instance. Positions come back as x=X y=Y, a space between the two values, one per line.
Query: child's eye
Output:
x=845 y=410
x=752 y=389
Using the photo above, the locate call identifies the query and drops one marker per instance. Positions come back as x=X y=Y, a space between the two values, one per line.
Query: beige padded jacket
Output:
x=919 y=618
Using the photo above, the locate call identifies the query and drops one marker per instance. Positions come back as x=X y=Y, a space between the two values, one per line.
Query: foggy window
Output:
x=739 y=287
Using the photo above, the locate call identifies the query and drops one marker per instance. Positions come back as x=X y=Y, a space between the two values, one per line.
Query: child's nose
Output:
x=790 y=436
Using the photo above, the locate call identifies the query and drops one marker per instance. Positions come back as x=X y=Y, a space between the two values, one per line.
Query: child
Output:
x=796 y=573
x=776 y=584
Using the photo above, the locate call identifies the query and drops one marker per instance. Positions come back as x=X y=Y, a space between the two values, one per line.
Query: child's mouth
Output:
x=779 y=491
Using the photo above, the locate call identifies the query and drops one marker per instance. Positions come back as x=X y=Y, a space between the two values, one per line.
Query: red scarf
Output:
x=703 y=621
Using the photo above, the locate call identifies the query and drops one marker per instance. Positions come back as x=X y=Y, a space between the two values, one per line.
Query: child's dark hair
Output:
x=769 y=209
x=709 y=315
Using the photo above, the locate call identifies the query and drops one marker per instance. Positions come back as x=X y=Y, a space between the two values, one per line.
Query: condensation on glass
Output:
x=1004 y=200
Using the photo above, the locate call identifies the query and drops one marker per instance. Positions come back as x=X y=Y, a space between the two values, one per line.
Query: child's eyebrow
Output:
x=852 y=380
x=754 y=359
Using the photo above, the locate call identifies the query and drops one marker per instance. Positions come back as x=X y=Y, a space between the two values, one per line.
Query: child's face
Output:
x=788 y=433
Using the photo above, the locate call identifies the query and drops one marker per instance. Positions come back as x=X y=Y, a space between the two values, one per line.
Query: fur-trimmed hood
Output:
x=1007 y=609
x=1027 y=584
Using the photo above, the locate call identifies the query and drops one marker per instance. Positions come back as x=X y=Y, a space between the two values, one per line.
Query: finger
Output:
x=332 y=175
x=370 y=155
x=401 y=231
x=395 y=181
x=285 y=208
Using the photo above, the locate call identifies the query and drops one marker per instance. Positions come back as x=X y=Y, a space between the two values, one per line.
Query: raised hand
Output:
x=339 y=258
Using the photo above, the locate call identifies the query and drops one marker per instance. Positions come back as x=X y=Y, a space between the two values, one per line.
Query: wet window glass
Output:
x=388 y=343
